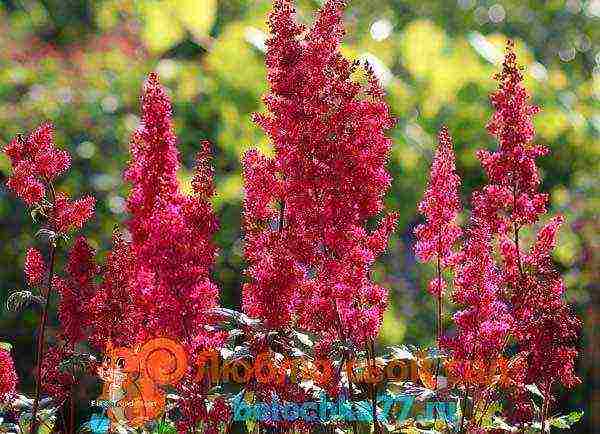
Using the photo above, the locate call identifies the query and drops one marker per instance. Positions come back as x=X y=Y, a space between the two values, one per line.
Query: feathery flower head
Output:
x=113 y=299
x=35 y=267
x=76 y=290
x=8 y=376
x=512 y=192
x=35 y=161
x=305 y=209
x=440 y=206
x=171 y=245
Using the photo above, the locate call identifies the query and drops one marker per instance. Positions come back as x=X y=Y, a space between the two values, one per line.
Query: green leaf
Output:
x=5 y=346
x=567 y=421
x=532 y=388
x=165 y=427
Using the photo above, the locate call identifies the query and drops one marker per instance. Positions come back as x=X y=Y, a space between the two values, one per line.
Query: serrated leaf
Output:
x=20 y=299
x=304 y=339
x=567 y=421
x=533 y=389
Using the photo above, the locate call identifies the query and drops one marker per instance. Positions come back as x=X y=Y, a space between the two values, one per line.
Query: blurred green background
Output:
x=81 y=64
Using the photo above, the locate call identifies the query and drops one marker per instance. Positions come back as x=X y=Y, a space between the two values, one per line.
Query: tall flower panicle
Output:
x=76 y=289
x=440 y=206
x=171 y=233
x=8 y=376
x=544 y=328
x=526 y=294
x=306 y=208
x=512 y=199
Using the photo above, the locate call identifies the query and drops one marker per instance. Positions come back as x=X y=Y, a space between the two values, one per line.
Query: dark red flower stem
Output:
x=439 y=302
x=463 y=410
x=42 y=327
x=371 y=360
x=41 y=342
x=346 y=357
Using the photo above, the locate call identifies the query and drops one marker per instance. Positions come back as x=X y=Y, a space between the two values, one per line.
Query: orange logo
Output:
x=132 y=380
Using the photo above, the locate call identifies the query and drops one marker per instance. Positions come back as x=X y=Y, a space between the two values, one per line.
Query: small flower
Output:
x=35 y=161
x=70 y=215
x=35 y=267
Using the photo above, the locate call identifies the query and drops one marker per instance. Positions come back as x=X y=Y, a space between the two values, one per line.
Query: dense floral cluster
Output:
x=308 y=213
x=113 y=300
x=519 y=298
x=34 y=267
x=171 y=232
x=76 y=290
x=8 y=376
x=36 y=163
x=544 y=328
x=440 y=206
x=305 y=209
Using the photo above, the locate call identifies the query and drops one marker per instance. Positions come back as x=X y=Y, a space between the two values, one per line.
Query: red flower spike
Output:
x=306 y=208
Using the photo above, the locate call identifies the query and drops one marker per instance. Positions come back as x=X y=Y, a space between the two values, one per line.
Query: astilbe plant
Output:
x=308 y=214
x=36 y=164
x=544 y=328
x=436 y=237
x=306 y=208
x=510 y=297
x=171 y=232
x=171 y=240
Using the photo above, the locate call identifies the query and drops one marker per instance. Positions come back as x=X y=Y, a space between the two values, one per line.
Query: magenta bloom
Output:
x=171 y=233
x=512 y=199
x=440 y=206
x=519 y=297
x=8 y=376
x=76 y=290
x=35 y=267
x=484 y=320
x=113 y=299
x=306 y=208
x=544 y=327
x=36 y=162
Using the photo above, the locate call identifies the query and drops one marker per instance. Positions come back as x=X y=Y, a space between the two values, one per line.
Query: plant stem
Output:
x=544 y=409
x=439 y=300
x=463 y=411
x=41 y=341
x=371 y=361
